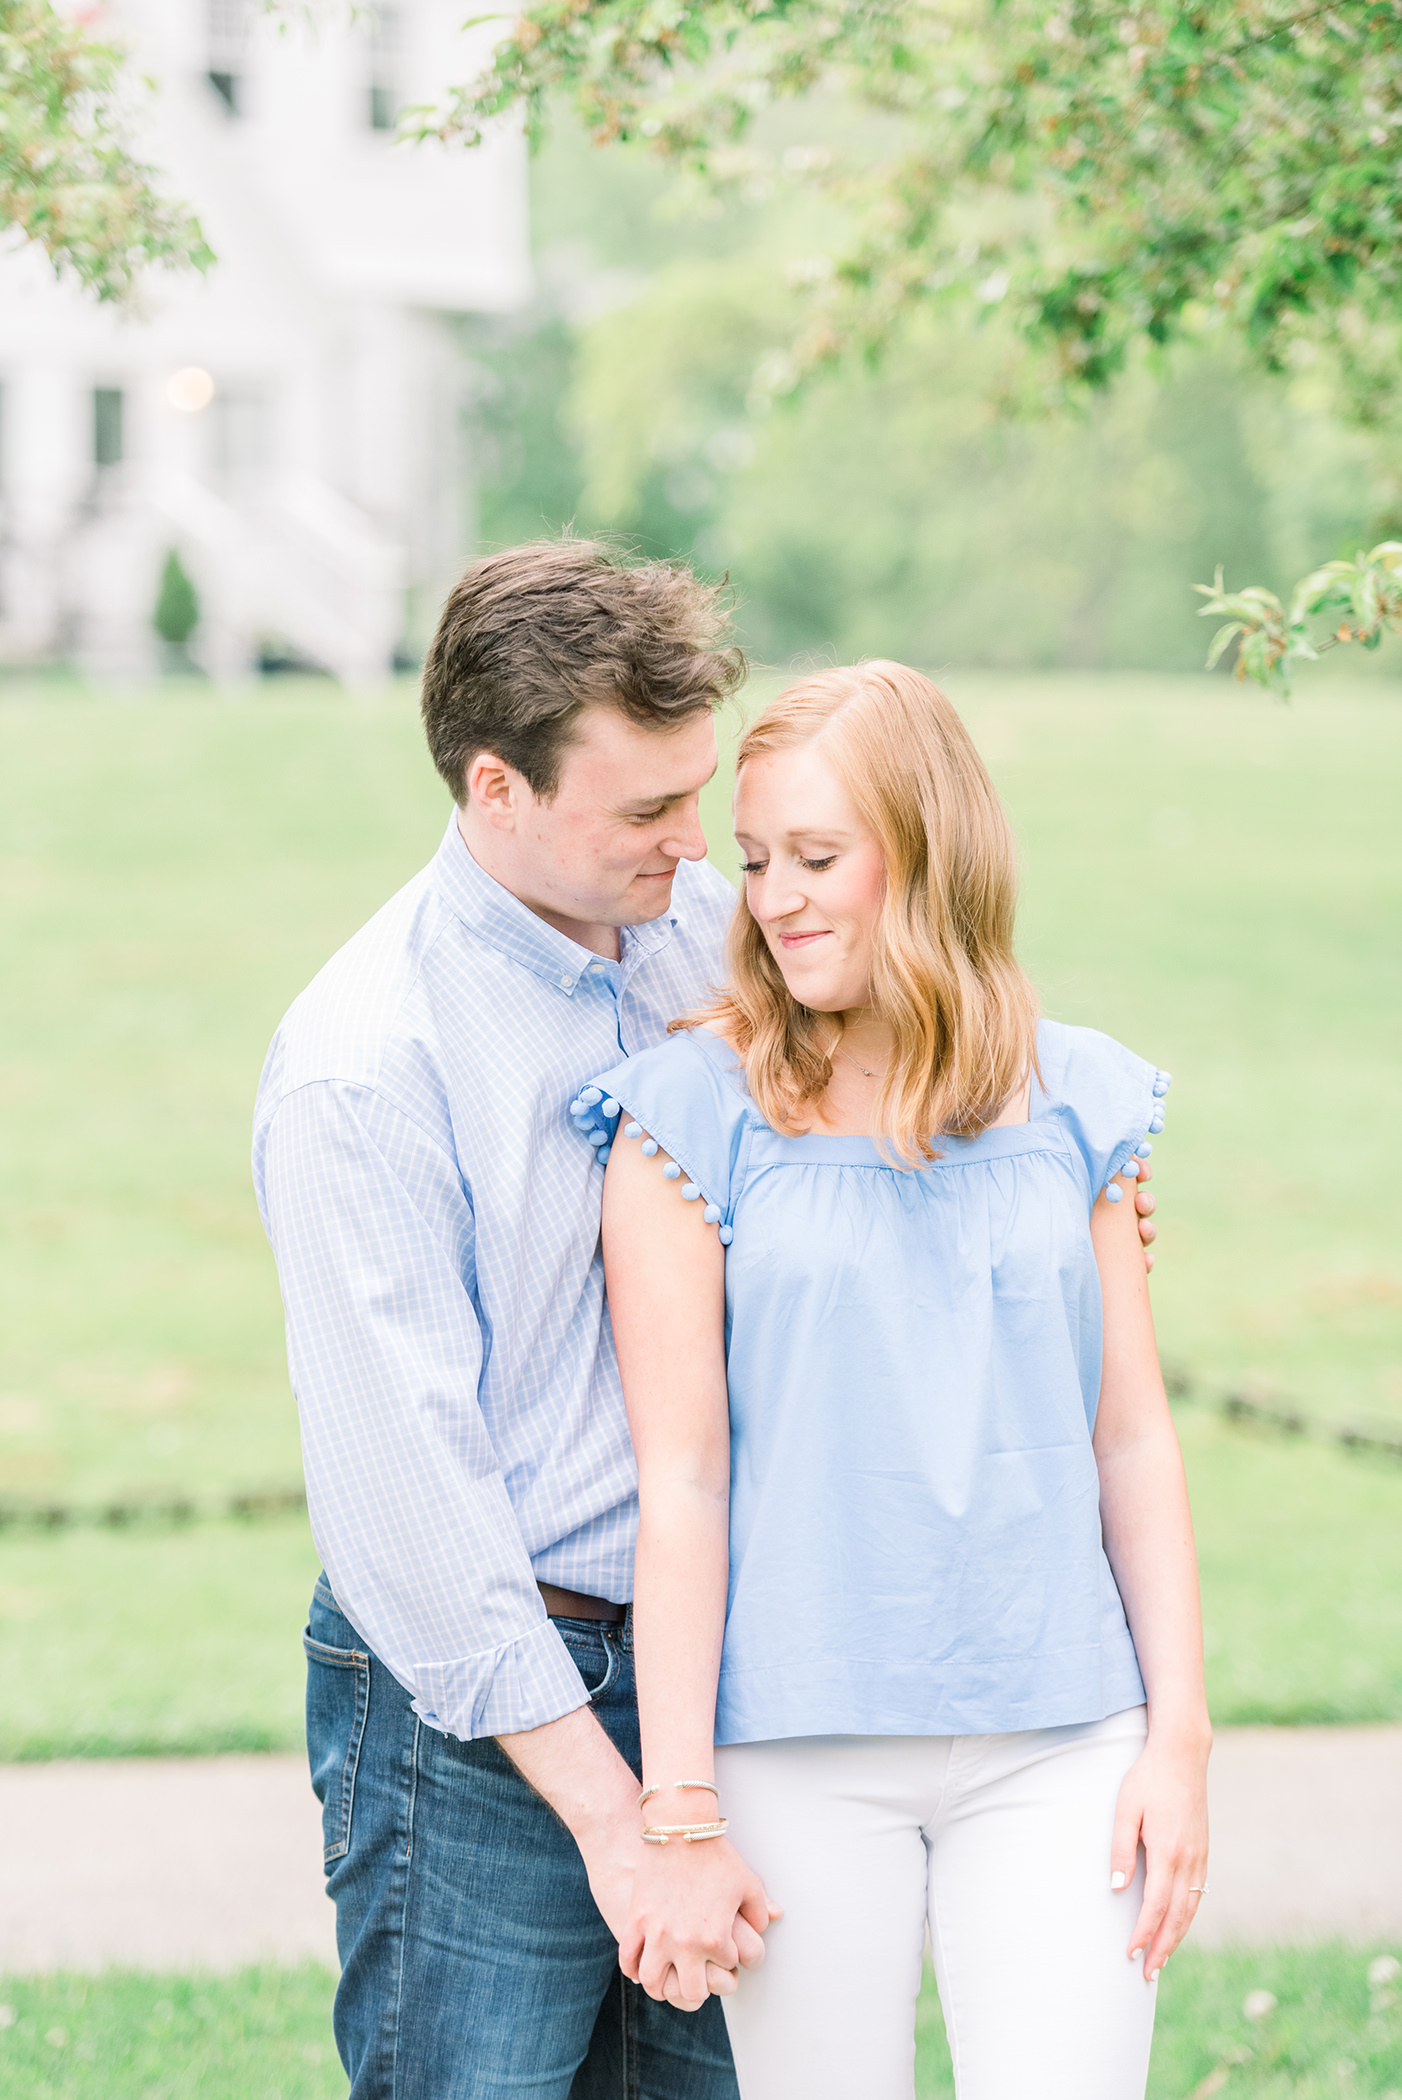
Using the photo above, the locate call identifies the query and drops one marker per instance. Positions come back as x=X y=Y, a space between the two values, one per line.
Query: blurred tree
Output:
x=1134 y=162
x=68 y=177
x=1104 y=175
x=892 y=509
x=177 y=613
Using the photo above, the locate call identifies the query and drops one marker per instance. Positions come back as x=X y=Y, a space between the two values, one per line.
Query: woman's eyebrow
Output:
x=821 y=834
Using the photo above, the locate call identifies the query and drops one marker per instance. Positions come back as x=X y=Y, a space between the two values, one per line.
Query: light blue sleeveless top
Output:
x=914 y=1367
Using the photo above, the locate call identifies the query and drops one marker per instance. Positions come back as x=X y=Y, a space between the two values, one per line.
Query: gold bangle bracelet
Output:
x=689 y=1833
x=680 y=1786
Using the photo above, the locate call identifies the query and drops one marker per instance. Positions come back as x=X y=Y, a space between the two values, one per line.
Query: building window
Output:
x=107 y=405
x=385 y=40
x=228 y=35
x=242 y=432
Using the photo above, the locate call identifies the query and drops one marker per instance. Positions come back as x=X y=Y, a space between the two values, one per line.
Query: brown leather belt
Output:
x=569 y=1604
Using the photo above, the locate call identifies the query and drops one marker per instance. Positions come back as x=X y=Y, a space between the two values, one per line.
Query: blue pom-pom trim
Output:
x=593 y=1114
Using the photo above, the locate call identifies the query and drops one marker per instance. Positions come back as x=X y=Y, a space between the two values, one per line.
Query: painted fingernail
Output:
x=1118 y=1880
x=1153 y=1976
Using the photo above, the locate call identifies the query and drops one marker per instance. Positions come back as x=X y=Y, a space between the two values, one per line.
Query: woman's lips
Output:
x=801 y=940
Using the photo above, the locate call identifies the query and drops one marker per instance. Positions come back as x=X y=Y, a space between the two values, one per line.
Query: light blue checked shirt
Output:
x=435 y=1220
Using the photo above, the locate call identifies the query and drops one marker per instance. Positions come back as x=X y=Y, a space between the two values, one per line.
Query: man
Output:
x=471 y=1719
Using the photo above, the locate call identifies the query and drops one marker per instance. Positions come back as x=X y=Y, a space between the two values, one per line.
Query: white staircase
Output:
x=288 y=562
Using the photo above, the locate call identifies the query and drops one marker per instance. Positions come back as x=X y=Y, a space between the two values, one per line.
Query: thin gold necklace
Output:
x=838 y=1051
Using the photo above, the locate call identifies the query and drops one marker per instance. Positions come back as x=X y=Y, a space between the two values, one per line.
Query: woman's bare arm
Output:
x=1149 y=1542
x=693 y=1904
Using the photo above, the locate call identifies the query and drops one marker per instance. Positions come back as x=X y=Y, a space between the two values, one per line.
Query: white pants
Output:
x=1003 y=1843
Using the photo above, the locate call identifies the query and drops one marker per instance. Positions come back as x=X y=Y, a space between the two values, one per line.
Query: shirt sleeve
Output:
x=1110 y=1101
x=685 y=1096
x=374 y=1238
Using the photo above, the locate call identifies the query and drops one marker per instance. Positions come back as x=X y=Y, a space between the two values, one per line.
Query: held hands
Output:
x=1163 y=1806
x=698 y=1913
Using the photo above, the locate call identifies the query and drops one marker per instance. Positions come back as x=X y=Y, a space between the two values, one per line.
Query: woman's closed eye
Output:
x=814 y=867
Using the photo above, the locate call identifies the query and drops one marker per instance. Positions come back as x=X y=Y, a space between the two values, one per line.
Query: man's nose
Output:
x=687 y=840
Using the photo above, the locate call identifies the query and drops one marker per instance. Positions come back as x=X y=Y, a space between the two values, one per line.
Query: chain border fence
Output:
x=168 y=1510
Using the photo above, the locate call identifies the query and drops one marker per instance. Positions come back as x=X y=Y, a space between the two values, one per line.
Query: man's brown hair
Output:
x=531 y=637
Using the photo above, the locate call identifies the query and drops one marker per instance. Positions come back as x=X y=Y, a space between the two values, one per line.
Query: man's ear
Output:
x=495 y=790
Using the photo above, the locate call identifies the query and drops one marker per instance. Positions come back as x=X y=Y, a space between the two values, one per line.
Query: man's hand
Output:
x=698 y=1913
x=1146 y=1206
x=572 y=1764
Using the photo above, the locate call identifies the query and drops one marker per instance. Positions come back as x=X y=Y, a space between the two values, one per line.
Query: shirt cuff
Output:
x=501 y=1691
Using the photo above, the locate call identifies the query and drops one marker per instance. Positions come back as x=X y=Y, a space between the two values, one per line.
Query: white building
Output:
x=290 y=424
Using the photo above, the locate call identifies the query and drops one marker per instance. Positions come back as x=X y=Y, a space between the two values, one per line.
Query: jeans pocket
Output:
x=593 y=1654
x=338 y=1702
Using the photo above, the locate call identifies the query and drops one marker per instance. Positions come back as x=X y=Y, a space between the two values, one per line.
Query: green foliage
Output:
x=892 y=510
x=1103 y=172
x=177 y=613
x=1357 y=601
x=68 y=177
x=1101 y=179
x=528 y=478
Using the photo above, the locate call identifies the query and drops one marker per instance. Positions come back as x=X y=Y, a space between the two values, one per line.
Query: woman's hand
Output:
x=1163 y=1806
x=698 y=1913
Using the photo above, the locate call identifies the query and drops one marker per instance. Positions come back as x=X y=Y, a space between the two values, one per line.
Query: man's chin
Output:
x=648 y=897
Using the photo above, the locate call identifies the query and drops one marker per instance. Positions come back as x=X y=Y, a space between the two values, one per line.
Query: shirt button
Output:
x=566 y=983
x=596 y=966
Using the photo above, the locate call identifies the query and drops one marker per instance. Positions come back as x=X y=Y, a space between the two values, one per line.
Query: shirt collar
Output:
x=514 y=930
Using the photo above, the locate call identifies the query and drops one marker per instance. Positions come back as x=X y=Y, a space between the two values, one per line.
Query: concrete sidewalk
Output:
x=208 y=1863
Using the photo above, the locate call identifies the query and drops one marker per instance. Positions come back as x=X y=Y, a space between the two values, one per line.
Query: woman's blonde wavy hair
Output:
x=944 y=975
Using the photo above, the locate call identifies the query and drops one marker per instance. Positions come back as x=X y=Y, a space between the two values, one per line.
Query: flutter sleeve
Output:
x=1110 y=1101
x=681 y=1098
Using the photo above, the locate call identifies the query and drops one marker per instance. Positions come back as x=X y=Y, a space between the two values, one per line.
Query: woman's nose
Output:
x=774 y=897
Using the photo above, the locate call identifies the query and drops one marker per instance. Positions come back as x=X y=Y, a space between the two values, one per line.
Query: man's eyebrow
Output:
x=663 y=799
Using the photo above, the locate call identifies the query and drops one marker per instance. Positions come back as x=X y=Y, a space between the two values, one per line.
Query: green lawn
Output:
x=154 y=1642
x=265 y=2034
x=1212 y=877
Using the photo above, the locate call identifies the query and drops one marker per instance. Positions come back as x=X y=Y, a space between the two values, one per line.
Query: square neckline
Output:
x=1040 y=1133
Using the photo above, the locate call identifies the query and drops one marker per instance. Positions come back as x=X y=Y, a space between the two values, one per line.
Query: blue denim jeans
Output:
x=474 y=1963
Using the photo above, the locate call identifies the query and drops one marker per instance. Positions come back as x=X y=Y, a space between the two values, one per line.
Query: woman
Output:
x=915 y=1550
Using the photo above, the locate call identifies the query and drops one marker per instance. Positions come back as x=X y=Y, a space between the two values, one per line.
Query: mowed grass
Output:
x=1210 y=877
x=265 y=2034
x=154 y=1642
